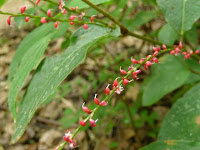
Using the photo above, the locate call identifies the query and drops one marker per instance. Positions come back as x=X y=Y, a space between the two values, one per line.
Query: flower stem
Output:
x=111 y=93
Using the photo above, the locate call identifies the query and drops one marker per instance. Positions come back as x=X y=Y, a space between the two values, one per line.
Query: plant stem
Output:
x=76 y=11
x=130 y=115
x=124 y=30
x=48 y=18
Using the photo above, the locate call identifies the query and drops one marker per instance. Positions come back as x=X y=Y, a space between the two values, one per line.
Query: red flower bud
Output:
x=180 y=45
x=43 y=20
x=85 y=26
x=49 y=12
x=82 y=123
x=123 y=71
x=64 y=11
x=93 y=123
x=148 y=63
x=96 y=100
x=172 y=52
x=72 y=17
x=23 y=9
x=155 y=53
x=155 y=48
x=197 y=51
x=9 y=20
x=164 y=46
x=56 y=24
x=125 y=81
x=115 y=83
x=107 y=90
x=86 y=109
x=71 y=23
x=37 y=2
x=104 y=103
x=92 y=19
x=134 y=61
x=148 y=56
x=27 y=19
x=154 y=59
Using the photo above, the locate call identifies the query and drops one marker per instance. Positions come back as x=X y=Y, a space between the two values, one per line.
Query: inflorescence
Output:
x=61 y=5
x=117 y=86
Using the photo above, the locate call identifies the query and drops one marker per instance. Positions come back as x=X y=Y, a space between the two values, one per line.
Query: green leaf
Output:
x=2 y=2
x=180 y=14
x=166 y=76
x=82 y=5
x=140 y=19
x=55 y=70
x=192 y=36
x=167 y=35
x=173 y=145
x=183 y=120
x=26 y=58
x=28 y=41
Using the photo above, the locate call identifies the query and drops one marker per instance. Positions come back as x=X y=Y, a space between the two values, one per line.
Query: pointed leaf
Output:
x=28 y=41
x=183 y=120
x=173 y=145
x=55 y=70
x=166 y=76
x=33 y=51
x=180 y=14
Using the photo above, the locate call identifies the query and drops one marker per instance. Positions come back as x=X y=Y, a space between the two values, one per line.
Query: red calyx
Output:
x=56 y=24
x=104 y=103
x=23 y=9
x=43 y=20
x=82 y=123
x=86 y=109
x=49 y=13
x=123 y=71
x=92 y=123
x=85 y=26
x=134 y=61
x=27 y=19
x=125 y=81
x=107 y=90
x=115 y=83
x=37 y=2
x=9 y=20
x=96 y=100
x=92 y=19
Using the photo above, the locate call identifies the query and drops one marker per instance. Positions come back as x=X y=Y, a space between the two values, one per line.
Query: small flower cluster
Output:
x=117 y=85
x=67 y=138
x=43 y=20
x=187 y=55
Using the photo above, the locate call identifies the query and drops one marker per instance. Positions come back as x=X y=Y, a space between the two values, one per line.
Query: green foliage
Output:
x=180 y=14
x=26 y=58
x=183 y=120
x=167 y=34
x=54 y=70
x=141 y=18
x=173 y=145
x=180 y=129
x=2 y=2
x=166 y=77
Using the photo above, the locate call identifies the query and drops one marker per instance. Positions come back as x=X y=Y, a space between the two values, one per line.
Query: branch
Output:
x=48 y=18
x=77 y=12
x=124 y=30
